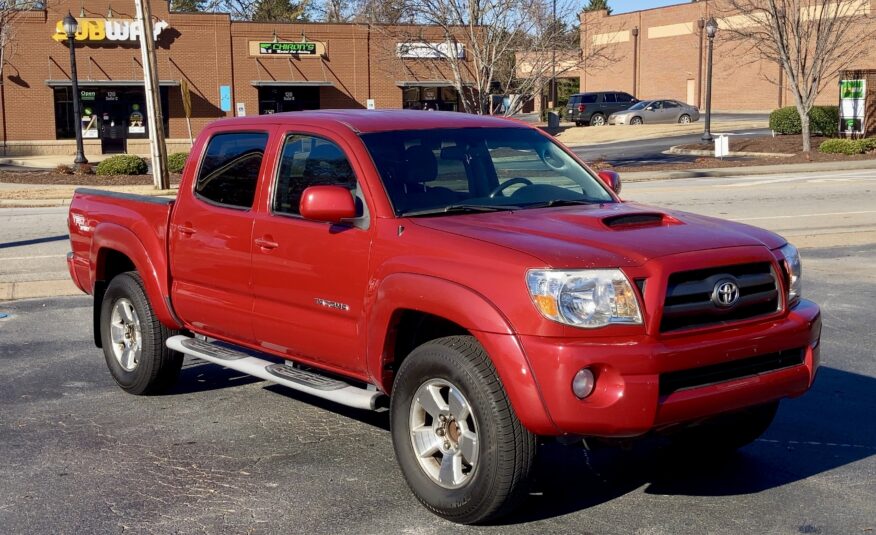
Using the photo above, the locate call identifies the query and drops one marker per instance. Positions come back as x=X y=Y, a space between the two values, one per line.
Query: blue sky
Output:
x=622 y=6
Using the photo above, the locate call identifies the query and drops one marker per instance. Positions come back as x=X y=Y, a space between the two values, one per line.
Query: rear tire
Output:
x=134 y=339
x=579 y=123
x=597 y=120
x=726 y=433
x=455 y=378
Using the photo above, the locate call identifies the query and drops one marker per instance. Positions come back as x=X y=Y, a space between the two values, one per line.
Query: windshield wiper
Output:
x=563 y=202
x=461 y=209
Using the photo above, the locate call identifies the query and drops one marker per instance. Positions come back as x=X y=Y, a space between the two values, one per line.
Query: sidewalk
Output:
x=722 y=172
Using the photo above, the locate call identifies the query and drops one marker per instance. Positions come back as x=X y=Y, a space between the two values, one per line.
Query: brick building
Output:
x=661 y=53
x=230 y=68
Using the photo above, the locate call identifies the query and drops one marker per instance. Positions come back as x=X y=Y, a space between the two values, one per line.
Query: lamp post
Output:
x=711 y=30
x=635 y=33
x=70 y=27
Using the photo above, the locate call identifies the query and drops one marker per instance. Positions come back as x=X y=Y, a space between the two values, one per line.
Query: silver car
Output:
x=656 y=111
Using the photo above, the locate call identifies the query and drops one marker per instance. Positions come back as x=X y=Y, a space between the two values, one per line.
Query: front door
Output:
x=279 y=99
x=211 y=238
x=309 y=278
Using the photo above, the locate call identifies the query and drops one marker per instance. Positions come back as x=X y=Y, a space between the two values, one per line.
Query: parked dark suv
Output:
x=594 y=108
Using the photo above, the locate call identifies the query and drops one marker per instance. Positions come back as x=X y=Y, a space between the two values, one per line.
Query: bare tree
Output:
x=812 y=40
x=281 y=11
x=495 y=46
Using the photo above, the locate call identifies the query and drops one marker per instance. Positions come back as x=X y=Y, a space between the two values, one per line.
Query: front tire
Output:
x=636 y=121
x=597 y=120
x=134 y=339
x=459 y=445
x=684 y=119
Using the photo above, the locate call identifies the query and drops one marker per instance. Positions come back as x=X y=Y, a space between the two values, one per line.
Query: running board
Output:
x=309 y=382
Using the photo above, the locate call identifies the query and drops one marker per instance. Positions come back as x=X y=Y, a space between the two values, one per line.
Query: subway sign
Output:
x=308 y=49
x=109 y=30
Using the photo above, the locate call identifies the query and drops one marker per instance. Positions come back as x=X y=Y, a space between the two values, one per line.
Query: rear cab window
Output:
x=230 y=169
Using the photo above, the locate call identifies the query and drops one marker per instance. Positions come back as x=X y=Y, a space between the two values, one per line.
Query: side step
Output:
x=283 y=374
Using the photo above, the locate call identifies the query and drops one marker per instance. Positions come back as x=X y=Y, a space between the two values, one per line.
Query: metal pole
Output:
x=157 y=146
x=707 y=134
x=554 y=55
x=77 y=115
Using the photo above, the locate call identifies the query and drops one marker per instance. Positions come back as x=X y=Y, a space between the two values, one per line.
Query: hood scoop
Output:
x=638 y=219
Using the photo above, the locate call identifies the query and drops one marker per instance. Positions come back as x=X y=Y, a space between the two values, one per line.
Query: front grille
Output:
x=728 y=371
x=689 y=303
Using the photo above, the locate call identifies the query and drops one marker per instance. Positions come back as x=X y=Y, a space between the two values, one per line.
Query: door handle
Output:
x=265 y=243
x=185 y=230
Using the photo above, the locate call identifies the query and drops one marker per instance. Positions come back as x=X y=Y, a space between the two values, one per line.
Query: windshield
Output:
x=429 y=172
x=641 y=105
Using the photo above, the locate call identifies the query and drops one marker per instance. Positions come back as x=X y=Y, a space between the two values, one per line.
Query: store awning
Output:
x=109 y=83
x=292 y=83
x=424 y=83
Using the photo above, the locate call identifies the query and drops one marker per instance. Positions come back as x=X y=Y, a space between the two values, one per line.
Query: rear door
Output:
x=211 y=237
x=309 y=277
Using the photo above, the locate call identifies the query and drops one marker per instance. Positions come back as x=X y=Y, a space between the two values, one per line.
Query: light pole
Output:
x=711 y=30
x=70 y=27
x=635 y=33
x=554 y=29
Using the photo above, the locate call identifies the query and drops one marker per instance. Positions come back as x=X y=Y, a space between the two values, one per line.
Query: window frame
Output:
x=200 y=198
x=361 y=222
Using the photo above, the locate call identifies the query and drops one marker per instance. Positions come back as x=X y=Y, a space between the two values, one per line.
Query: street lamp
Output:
x=711 y=30
x=71 y=26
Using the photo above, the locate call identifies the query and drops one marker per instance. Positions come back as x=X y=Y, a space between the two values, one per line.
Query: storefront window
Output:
x=430 y=98
x=287 y=98
x=107 y=112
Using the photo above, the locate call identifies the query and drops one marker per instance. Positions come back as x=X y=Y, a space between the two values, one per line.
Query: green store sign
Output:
x=852 y=89
x=292 y=49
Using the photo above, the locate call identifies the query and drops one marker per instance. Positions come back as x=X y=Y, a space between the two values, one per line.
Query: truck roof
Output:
x=367 y=121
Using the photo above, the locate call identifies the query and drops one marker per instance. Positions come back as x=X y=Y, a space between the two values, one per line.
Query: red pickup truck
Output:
x=469 y=273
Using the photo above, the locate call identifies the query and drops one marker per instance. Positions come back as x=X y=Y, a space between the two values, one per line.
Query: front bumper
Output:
x=617 y=119
x=627 y=400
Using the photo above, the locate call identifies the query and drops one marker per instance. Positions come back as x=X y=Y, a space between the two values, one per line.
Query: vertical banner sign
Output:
x=852 y=110
x=225 y=97
x=187 y=106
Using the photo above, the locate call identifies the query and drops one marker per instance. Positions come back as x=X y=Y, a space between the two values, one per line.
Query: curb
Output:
x=725 y=172
x=34 y=289
x=691 y=152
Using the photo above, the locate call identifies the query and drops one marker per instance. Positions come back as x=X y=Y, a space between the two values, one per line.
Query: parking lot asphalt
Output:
x=224 y=453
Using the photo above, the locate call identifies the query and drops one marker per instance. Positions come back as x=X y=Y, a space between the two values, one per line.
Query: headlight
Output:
x=587 y=298
x=794 y=270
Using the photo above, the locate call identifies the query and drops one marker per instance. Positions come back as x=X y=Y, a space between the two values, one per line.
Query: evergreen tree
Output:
x=596 y=5
x=279 y=11
x=186 y=6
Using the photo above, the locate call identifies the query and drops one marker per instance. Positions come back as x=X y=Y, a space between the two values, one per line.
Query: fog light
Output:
x=583 y=383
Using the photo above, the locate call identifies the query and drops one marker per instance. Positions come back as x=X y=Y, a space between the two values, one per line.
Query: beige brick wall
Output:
x=670 y=57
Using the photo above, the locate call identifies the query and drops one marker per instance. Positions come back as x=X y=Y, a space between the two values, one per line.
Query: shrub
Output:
x=176 y=162
x=823 y=120
x=84 y=169
x=848 y=147
x=122 y=164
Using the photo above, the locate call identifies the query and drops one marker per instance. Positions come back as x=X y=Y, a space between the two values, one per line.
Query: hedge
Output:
x=823 y=120
x=176 y=162
x=122 y=164
x=849 y=147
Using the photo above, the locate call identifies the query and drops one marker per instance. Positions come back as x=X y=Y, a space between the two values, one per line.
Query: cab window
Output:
x=230 y=169
x=311 y=161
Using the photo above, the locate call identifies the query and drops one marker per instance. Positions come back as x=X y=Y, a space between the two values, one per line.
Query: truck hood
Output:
x=598 y=236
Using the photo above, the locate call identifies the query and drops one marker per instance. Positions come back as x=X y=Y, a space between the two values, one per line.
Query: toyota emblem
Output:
x=725 y=294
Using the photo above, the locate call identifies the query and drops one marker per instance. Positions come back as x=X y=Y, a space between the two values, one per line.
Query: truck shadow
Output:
x=821 y=431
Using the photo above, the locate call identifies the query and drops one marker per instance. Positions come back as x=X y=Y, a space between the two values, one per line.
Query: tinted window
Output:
x=230 y=168
x=309 y=161
x=430 y=170
x=610 y=97
x=589 y=98
x=670 y=104
x=624 y=97
x=574 y=99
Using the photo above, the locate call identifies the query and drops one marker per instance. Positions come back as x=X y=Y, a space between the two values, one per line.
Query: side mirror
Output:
x=649 y=108
x=611 y=179
x=330 y=204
